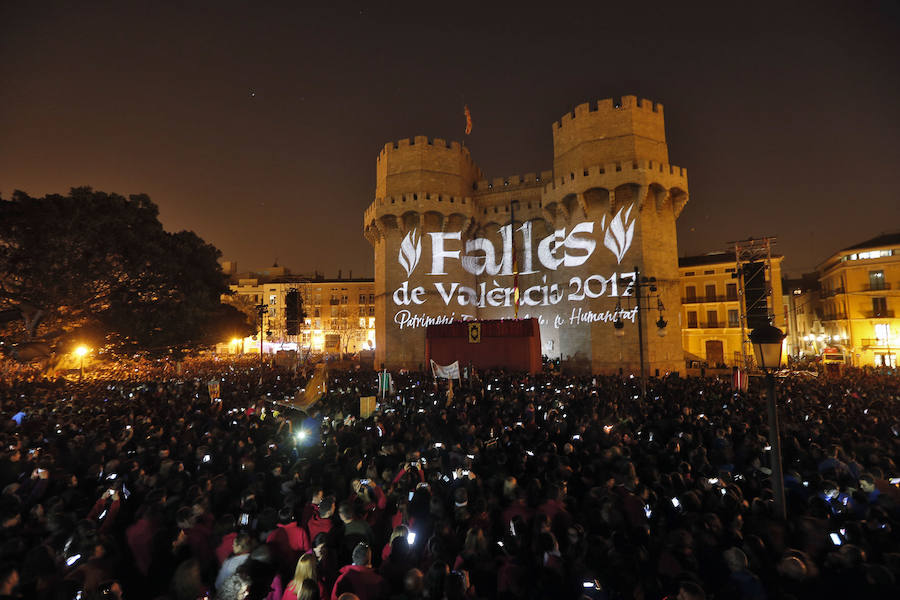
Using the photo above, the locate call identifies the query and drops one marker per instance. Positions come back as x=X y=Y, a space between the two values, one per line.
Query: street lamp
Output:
x=644 y=289
x=767 y=343
x=261 y=309
x=80 y=352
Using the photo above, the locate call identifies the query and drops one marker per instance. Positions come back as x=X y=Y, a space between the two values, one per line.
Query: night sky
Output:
x=257 y=124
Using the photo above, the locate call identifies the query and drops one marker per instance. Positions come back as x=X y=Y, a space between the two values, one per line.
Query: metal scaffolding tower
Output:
x=746 y=252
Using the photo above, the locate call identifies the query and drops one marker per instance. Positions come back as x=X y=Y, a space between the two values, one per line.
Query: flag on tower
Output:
x=468 y=120
x=516 y=281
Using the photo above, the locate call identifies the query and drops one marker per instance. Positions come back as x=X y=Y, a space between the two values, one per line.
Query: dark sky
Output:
x=257 y=124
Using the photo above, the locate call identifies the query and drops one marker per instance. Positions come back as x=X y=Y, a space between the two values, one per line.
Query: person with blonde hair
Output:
x=399 y=531
x=306 y=569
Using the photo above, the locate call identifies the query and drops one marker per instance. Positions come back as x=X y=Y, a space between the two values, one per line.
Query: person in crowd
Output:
x=306 y=570
x=242 y=546
x=360 y=579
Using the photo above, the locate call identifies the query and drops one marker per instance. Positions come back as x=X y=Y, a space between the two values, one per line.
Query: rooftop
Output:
x=885 y=239
x=711 y=258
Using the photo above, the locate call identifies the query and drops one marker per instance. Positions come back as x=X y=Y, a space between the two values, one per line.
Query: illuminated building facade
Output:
x=450 y=244
x=340 y=313
x=860 y=297
x=712 y=306
x=805 y=333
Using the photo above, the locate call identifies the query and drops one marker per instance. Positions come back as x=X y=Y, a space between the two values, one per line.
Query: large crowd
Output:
x=505 y=486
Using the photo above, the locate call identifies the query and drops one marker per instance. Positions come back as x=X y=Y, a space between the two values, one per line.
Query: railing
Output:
x=699 y=299
x=876 y=287
x=716 y=325
x=879 y=343
x=834 y=292
x=879 y=314
x=835 y=317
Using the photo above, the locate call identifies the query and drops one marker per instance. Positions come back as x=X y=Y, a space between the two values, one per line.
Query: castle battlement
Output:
x=419 y=201
x=422 y=141
x=608 y=107
x=648 y=167
x=514 y=181
x=613 y=174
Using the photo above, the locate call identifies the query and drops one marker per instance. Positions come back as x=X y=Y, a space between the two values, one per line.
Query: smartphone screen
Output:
x=835 y=539
x=245 y=519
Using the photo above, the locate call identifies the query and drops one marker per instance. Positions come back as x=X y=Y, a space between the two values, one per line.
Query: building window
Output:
x=362 y=311
x=733 y=318
x=371 y=298
x=711 y=293
x=692 y=319
x=690 y=293
x=882 y=333
x=371 y=310
x=879 y=307
x=689 y=274
x=709 y=272
x=876 y=280
x=273 y=299
x=362 y=298
x=712 y=318
x=731 y=291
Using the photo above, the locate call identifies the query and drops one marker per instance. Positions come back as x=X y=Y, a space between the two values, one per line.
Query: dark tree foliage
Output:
x=97 y=261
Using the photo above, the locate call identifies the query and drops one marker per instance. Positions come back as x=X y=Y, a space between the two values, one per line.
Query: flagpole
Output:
x=515 y=259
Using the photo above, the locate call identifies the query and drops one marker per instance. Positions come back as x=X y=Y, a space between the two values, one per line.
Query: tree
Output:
x=97 y=261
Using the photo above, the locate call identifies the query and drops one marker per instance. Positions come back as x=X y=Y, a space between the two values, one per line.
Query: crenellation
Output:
x=513 y=181
x=628 y=101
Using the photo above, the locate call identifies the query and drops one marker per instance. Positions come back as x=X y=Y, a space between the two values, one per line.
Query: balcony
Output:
x=701 y=299
x=879 y=314
x=876 y=287
x=716 y=325
x=835 y=317
x=878 y=343
x=833 y=292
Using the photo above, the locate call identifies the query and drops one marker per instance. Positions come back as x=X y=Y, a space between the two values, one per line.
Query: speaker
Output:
x=755 y=294
x=292 y=312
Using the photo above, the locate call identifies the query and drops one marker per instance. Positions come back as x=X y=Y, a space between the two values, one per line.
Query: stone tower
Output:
x=447 y=242
x=422 y=186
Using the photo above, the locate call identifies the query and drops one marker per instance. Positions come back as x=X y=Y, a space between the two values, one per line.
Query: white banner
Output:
x=450 y=371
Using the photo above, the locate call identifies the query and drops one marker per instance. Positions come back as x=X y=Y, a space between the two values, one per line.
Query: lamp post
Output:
x=80 y=352
x=261 y=309
x=644 y=288
x=767 y=342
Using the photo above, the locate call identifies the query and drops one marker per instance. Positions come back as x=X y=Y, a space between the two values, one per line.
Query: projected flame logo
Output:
x=618 y=238
x=410 y=252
